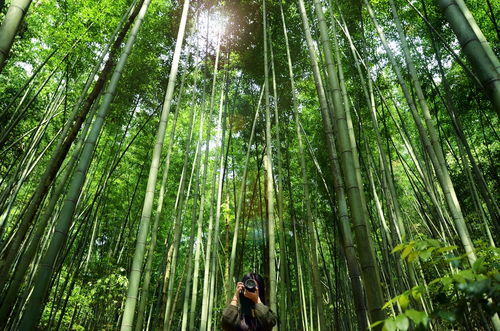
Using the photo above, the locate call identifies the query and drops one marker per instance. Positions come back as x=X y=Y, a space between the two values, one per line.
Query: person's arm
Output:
x=230 y=317
x=265 y=316
x=234 y=301
x=230 y=314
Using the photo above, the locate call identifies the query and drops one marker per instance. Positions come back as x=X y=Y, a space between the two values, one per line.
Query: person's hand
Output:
x=254 y=296
x=239 y=287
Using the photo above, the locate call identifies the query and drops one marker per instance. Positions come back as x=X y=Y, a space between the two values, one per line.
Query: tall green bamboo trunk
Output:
x=475 y=46
x=33 y=312
x=284 y=262
x=212 y=236
x=284 y=281
x=300 y=279
x=206 y=279
x=168 y=266
x=159 y=209
x=9 y=27
x=269 y=174
x=196 y=202
x=220 y=187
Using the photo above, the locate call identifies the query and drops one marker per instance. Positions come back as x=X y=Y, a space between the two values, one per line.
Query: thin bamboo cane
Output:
x=268 y=163
x=199 y=243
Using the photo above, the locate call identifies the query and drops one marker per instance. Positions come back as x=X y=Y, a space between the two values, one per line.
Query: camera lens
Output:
x=250 y=284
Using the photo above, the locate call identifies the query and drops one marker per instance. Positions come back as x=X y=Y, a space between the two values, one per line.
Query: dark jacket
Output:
x=266 y=319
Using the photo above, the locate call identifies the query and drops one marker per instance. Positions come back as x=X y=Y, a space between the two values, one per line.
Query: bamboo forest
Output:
x=154 y=152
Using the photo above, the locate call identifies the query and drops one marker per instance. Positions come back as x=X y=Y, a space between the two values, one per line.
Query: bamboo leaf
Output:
x=413 y=256
x=402 y=322
x=418 y=317
x=416 y=292
x=406 y=251
x=446 y=249
x=404 y=301
x=389 y=325
x=398 y=248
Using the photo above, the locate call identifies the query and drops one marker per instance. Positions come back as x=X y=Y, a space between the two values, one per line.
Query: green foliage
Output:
x=402 y=322
x=453 y=294
x=426 y=250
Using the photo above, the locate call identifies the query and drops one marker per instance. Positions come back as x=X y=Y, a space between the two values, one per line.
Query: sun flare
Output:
x=210 y=28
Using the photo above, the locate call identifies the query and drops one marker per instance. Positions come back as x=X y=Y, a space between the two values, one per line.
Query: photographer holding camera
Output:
x=252 y=314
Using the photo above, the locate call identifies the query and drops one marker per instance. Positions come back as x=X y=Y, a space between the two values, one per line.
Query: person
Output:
x=252 y=314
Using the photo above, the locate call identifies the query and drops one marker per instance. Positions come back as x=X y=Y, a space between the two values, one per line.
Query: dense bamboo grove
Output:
x=153 y=152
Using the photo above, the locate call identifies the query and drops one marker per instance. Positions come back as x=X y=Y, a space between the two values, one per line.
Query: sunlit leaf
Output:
x=389 y=325
x=402 y=322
